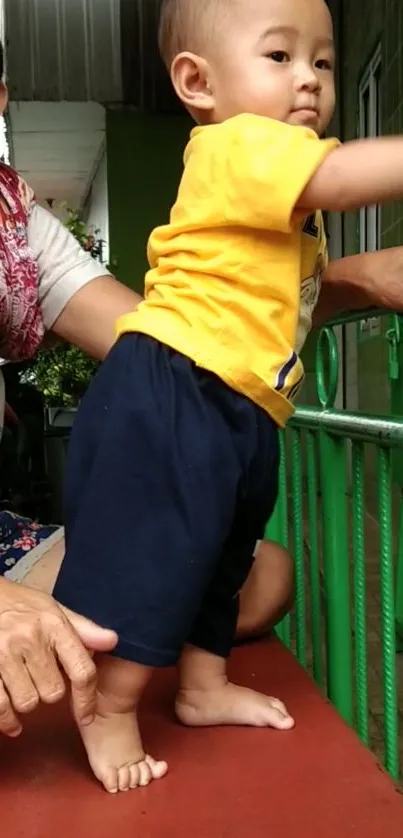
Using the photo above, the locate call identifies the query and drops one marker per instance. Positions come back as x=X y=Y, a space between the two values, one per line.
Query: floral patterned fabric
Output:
x=21 y=333
x=18 y=536
x=21 y=323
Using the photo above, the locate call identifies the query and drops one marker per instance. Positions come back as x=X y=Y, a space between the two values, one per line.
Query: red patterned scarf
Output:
x=21 y=323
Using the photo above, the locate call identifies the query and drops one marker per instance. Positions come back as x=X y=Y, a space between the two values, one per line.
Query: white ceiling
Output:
x=56 y=147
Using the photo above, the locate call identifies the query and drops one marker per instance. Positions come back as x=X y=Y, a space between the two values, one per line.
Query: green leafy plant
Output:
x=88 y=241
x=62 y=372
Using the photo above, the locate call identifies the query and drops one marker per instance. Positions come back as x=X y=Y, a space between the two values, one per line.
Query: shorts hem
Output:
x=219 y=651
x=144 y=656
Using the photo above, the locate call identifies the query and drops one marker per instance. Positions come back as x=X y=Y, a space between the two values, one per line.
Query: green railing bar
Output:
x=273 y=528
x=327 y=374
x=283 y=494
x=336 y=573
x=277 y=530
x=399 y=580
x=361 y=663
x=357 y=426
x=388 y=613
x=273 y=532
x=298 y=522
x=314 y=567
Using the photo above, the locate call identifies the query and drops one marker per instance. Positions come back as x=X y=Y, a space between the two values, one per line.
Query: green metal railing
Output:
x=322 y=516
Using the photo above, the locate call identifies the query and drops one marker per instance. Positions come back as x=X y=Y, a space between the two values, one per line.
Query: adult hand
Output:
x=38 y=639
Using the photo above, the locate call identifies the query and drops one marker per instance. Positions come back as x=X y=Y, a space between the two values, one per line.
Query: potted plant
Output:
x=59 y=371
x=62 y=374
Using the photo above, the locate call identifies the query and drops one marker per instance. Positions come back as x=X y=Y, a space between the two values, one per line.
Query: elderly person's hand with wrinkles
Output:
x=40 y=642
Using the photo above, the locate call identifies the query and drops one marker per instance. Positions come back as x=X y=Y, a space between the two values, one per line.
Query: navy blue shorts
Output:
x=171 y=478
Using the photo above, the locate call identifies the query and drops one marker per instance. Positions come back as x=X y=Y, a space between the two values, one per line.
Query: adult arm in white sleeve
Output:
x=80 y=300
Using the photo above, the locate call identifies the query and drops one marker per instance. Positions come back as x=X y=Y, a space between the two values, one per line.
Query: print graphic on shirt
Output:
x=285 y=380
x=310 y=227
x=310 y=290
x=310 y=287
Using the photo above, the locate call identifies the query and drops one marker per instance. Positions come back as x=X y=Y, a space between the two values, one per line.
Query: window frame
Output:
x=369 y=125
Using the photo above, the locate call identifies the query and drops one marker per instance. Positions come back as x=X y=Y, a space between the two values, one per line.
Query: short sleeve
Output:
x=64 y=267
x=255 y=169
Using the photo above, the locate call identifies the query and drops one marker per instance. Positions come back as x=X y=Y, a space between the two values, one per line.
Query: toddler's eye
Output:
x=323 y=64
x=279 y=56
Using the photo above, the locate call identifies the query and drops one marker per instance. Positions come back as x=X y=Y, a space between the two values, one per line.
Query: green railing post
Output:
x=388 y=613
x=298 y=542
x=336 y=559
x=399 y=581
x=336 y=573
x=360 y=623
x=274 y=530
x=277 y=530
x=314 y=565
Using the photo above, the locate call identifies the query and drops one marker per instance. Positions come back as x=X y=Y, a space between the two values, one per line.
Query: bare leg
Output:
x=264 y=600
x=206 y=697
x=113 y=741
x=268 y=592
x=43 y=575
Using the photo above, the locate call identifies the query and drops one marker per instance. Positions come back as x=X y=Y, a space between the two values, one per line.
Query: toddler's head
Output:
x=272 y=58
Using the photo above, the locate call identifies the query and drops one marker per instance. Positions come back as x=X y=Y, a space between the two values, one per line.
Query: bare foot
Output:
x=112 y=741
x=228 y=704
x=116 y=754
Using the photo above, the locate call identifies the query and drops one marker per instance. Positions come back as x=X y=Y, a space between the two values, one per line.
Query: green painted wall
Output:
x=144 y=167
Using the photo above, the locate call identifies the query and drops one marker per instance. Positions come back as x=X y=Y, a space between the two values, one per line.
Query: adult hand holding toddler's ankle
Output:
x=38 y=639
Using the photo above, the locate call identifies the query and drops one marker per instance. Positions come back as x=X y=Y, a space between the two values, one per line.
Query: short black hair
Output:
x=186 y=24
x=1 y=61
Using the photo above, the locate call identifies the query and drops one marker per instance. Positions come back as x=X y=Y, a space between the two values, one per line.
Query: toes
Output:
x=145 y=775
x=110 y=781
x=278 y=705
x=148 y=769
x=158 y=769
x=134 y=775
x=279 y=716
x=124 y=778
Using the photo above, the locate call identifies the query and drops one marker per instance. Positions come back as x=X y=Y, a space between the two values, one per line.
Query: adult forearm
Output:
x=362 y=281
x=89 y=319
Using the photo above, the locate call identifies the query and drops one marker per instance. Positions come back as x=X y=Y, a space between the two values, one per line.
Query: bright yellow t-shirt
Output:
x=235 y=274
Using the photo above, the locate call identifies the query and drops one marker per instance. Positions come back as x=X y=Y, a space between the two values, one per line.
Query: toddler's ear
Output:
x=190 y=78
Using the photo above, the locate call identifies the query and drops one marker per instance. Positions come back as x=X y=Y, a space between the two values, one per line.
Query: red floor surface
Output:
x=223 y=783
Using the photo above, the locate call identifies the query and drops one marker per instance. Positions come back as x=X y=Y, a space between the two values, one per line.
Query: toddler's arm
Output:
x=357 y=173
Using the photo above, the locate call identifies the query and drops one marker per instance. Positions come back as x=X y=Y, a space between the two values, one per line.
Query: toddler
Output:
x=173 y=463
